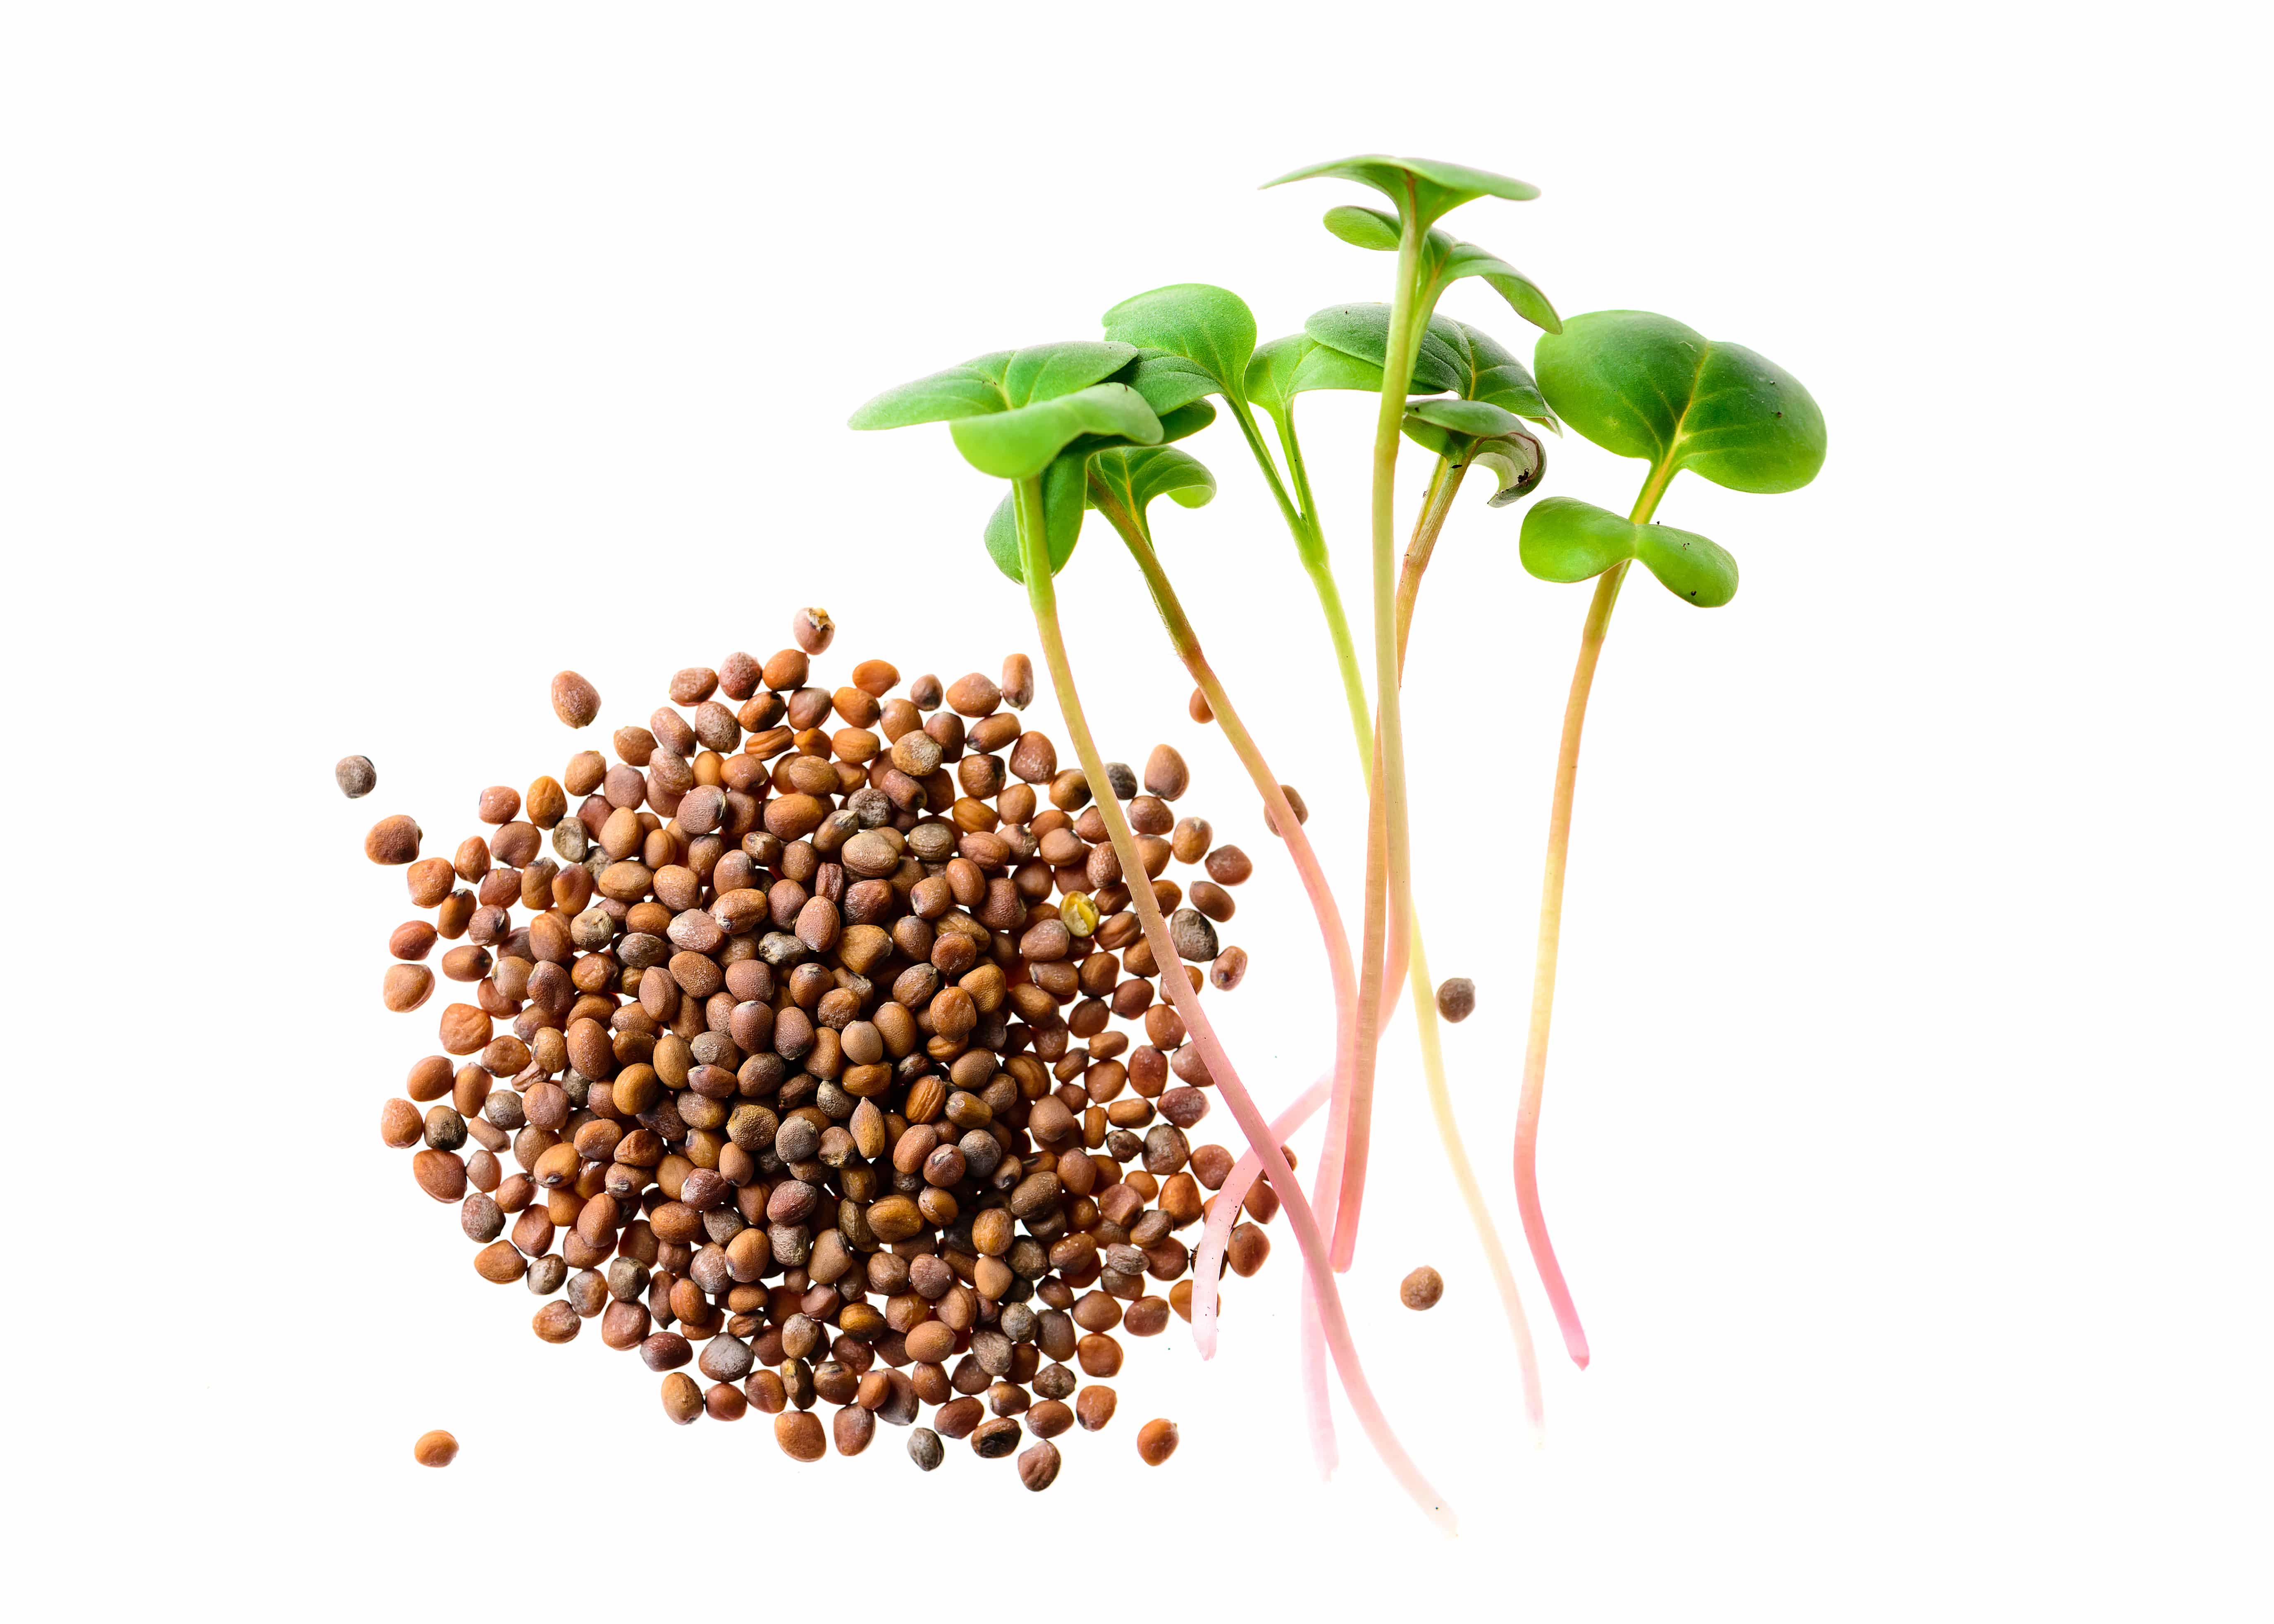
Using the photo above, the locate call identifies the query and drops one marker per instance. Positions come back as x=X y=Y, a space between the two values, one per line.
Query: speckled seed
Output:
x=358 y=777
x=405 y=987
x=575 y=701
x=1038 y=1465
x=800 y=1434
x=434 y=1448
x=683 y=1398
x=1228 y=865
x=925 y=1449
x=393 y=840
x=1157 y=1440
x=1018 y=681
x=812 y=630
x=1193 y=936
x=1421 y=1290
x=1093 y=1407
x=1121 y=778
x=1457 y=998
x=1230 y=966
x=1165 y=773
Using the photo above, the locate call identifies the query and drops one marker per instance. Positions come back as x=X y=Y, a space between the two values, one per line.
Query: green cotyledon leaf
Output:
x=1429 y=187
x=1209 y=329
x=1446 y=260
x=1298 y=364
x=1133 y=477
x=1646 y=386
x=1565 y=539
x=1001 y=380
x=1063 y=502
x=1020 y=443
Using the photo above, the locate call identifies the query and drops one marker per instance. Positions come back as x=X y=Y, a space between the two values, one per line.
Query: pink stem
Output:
x=1223 y=1213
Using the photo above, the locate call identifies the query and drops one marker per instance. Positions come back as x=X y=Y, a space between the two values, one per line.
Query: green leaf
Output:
x=1429 y=186
x=1363 y=331
x=1522 y=293
x=1001 y=381
x=1565 y=539
x=1020 y=443
x=1646 y=386
x=1134 y=476
x=1063 y=492
x=1518 y=461
x=1209 y=328
x=1168 y=381
x=1364 y=228
x=1298 y=364
x=1478 y=419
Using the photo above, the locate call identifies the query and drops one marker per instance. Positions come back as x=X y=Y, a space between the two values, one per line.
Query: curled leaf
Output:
x=1020 y=443
x=1646 y=386
x=1001 y=380
x=1133 y=477
x=1519 y=460
x=1444 y=260
x=1565 y=539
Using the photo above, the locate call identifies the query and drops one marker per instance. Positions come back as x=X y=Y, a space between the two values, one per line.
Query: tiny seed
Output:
x=1295 y=804
x=392 y=840
x=1018 y=681
x=1123 y=779
x=1038 y=1466
x=925 y=1449
x=1457 y=998
x=1157 y=1440
x=812 y=630
x=1421 y=1290
x=1079 y=913
x=1197 y=708
x=575 y=701
x=358 y=777
x=1230 y=966
x=434 y=1448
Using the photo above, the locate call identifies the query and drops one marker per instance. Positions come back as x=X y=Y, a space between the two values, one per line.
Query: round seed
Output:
x=1165 y=773
x=1295 y=804
x=925 y=1449
x=1038 y=1465
x=1197 y=708
x=434 y=1448
x=1157 y=1440
x=358 y=777
x=1093 y=1407
x=575 y=701
x=1230 y=966
x=1457 y=998
x=392 y=840
x=1421 y=1290
x=1228 y=865
x=800 y=1434
x=812 y=630
x=683 y=1398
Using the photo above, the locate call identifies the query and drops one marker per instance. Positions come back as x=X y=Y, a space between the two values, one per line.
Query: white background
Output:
x=1907 y=1129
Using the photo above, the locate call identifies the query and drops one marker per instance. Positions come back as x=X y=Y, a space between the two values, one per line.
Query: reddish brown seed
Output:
x=500 y=803
x=575 y=701
x=972 y=695
x=1038 y=1465
x=393 y=840
x=1213 y=900
x=1295 y=804
x=800 y=1434
x=1099 y=1355
x=1157 y=1440
x=852 y=1429
x=1228 y=865
x=1148 y=1316
x=1457 y=998
x=1018 y=686
x=1230 y=966
x=556 y=1322
x=683 y=1398
x=412 y=939
x=1247 y=1248
x=399 y=1124
x=875 y=678
x=434 y=1448
x=1197 y=708
x=1165 y=773
x=812 y=630
x=691 y=685
x=725 y=1402
x=1093 y=1407
x=1421 y=1290
x=405 y=987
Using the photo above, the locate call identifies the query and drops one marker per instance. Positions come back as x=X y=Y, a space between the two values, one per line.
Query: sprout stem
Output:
x=1551 y=930
x=1042 y=598
x=1388 y=866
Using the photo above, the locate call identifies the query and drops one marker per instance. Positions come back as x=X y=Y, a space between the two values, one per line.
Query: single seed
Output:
x=925 y=1449
x=1230 y=966
x=812 y=630
x=392 y=840
x=1157 y=1440
x=683 y=1398
x=1079 y=913
x=1038 y=1465
x=1093 y=1407
x=1193 y=936
x=575 y=701
x=1295 y=804
x=1421 y=1290
x=1018 y=681
x=1197 y=708
x=1457 y=998
x=434 y=1448
x=1165 y=773
x=1228 y=865
x=358 y=777
x=1121 y=778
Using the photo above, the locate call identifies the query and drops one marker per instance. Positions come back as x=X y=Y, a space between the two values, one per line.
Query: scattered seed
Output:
x=1421 y=1290
x=925 y=1449
x=575 y=701
x=392 y=840
x=434 y=1448
x=357 y=777
x=812 y=630
x=1197 y=708
x=1038 y=1465
x=1457 y=998
x=1018 y=681
x=1295 y=803
x=1156 y=1442
x=1229 y=967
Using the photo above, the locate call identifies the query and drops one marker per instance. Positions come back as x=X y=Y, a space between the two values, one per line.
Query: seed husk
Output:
x=436 y=1448
x=357 y=777
x=1421 y=1289
x=812 y=630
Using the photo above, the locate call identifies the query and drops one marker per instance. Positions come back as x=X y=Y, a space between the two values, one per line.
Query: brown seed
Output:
x=1228 y=865
x=1197 y=708
x=812 y=630
x=1213 y=900
x=691 y=685
x=1038 y=1465
x=575 y=701
x=1295 y=804
x=683 y=1398
x=1098 y=1355
x=399 y=1126
x=1165 y=773
x=1093 y=1407
x=994 y=1438
x=405 y=987
x=925 y=1449
x=1156 y=1442
x=972 y=695
x=1230 y=966
x=434 y=1448
x=1018 y=688
x=1148 y=1316
x=1421 y=1290
x=1457 y=998
x=357 y=777
x=500 y=803
x=555 y=1322
x=1247 y=1250
x=1193 y=936
x=800 y=1434
x=392 y=840
x=875 y=678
